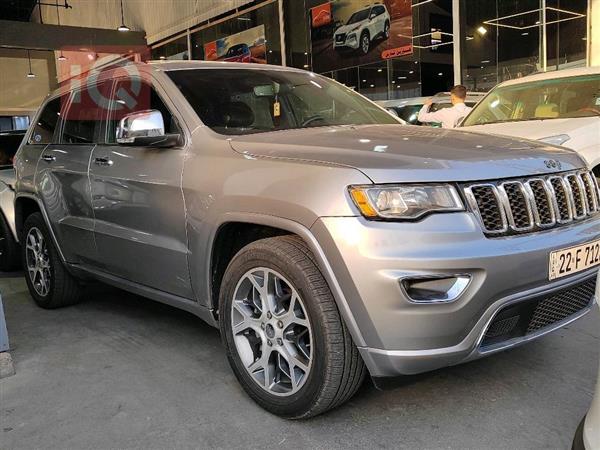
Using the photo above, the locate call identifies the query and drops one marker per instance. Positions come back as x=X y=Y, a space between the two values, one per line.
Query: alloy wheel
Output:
x=365 y=43
x=38 y=261
x=272 y=332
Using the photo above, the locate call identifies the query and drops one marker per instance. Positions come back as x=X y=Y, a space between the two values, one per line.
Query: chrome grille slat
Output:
x=591 y=192
x=542 y=202
x=519 y=206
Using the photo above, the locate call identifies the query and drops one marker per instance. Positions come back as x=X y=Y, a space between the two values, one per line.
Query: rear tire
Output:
x=333 y=369
x=49 y=282
x=10 y=255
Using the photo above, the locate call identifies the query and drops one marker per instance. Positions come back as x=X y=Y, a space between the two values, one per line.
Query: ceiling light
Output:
x=30 y=74
x=411 y=71
x=485 y=61
x=525 y=33
x=122 y=27
x=379 y=70
x=469 y=38
x=482 y=30
x=440 y=74
x=61 y=57
x=372 y=85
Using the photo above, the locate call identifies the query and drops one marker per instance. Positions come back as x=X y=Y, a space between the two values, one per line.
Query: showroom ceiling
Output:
x=17 y=9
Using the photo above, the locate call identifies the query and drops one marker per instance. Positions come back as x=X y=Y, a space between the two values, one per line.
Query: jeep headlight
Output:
x=405 y=202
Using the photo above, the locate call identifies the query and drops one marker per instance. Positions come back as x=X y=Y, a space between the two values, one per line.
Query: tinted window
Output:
x=9 y=144
x=83 y=120
x=47 y=121
x=378 y=10
x=244 y=101
x=129 y=99
x=358 y=16
x=561 y=98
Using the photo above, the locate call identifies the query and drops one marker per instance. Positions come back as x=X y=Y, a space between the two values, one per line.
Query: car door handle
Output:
x=103 y=161
x=49 y=158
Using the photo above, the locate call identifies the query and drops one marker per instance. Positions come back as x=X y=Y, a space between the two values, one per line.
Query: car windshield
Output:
x=245 y=101
x=539 y=100
x=358 y=16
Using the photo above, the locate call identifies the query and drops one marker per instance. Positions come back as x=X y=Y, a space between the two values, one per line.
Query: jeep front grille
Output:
x=537 y=203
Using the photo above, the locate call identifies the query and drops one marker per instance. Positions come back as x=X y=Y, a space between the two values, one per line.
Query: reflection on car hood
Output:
x=396 y=153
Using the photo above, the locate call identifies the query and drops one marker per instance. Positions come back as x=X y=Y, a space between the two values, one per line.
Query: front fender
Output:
x=308 y=237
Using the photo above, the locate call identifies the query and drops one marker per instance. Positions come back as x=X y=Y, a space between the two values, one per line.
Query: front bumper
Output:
x=402 y=337
x=350 y=41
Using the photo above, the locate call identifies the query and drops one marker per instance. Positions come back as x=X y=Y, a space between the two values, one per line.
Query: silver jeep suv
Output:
x=322 y=237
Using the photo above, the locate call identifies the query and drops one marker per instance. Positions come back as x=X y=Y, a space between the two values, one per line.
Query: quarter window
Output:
x=47 y=122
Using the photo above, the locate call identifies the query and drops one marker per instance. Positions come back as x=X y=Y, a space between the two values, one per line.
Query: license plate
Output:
x=574 y=259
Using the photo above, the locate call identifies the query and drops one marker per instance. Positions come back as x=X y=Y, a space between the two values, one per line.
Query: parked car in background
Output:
x=408 y=108
x=561 y=108
x=362 y=28
x=306 y=223
x=10 y=256
x=587 y=436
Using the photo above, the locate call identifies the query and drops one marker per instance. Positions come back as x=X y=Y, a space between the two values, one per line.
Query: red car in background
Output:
x=238 y=53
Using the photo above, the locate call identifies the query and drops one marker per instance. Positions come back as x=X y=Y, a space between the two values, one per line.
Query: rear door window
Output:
x=85 y=118
x=47 y=121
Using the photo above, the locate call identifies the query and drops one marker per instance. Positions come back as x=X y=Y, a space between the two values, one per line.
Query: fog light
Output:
x=435 y=289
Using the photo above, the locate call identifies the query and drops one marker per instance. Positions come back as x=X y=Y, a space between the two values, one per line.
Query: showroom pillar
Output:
x=456 y=40
x=594 y=33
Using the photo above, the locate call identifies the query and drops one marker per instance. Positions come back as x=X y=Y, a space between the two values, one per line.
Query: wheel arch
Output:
x=27 y=204
x=262 y=226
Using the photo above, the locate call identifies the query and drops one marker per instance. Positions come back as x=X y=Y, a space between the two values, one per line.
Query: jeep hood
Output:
x=397 y=153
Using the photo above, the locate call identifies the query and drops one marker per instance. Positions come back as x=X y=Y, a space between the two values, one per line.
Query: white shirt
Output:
x=448 y=117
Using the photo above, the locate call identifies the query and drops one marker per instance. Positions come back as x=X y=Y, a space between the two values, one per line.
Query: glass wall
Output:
x=393 y=49
x=255 y=32
x=175 y=49
x=503 y=39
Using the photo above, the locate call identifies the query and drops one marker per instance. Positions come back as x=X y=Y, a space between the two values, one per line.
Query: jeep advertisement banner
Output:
x=245 y=46
x=347 y=33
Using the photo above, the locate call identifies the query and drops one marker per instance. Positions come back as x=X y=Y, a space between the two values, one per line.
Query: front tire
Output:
x=285 y=340
x=49 y=282
x=365 y=42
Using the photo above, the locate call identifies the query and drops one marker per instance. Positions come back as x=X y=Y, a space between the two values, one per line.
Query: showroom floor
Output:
x=118 y=371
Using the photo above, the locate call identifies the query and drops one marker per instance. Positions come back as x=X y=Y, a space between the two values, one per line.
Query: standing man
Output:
x=448 y=117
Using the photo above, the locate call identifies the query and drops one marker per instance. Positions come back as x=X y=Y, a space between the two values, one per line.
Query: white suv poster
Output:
x=346 y=33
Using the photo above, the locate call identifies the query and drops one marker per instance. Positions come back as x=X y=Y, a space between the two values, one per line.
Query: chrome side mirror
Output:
x=393 y=112
x=145 y=128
